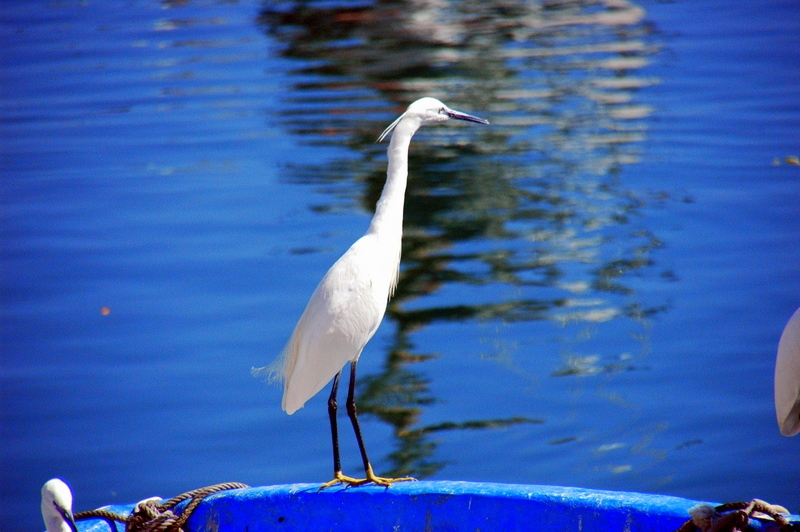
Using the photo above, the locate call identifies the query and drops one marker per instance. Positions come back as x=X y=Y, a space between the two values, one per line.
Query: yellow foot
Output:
x=339 y=478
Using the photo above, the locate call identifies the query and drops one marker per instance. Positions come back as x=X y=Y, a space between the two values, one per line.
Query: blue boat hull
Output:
x=434 y=506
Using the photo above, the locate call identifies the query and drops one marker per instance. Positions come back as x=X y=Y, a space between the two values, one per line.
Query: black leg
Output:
x=337 y=465
x=351 y=411
x=338 y=477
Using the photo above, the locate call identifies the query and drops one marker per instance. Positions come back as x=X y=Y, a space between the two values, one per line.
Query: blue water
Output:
x=592 y=288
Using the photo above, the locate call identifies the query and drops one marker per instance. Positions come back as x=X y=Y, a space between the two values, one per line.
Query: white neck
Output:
x=388 y=218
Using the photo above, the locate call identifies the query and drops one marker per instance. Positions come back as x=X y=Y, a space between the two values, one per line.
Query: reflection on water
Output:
x=527 y=216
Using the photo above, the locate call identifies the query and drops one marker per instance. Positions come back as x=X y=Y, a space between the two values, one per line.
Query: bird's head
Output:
x=428 y=111
x=57 y=507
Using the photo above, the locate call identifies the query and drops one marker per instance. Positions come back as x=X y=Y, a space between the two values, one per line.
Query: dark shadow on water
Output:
x=533 y=202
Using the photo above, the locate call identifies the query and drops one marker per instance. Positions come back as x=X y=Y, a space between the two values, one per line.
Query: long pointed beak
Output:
x=68 y=517
x=72 y=524
x=458 y=115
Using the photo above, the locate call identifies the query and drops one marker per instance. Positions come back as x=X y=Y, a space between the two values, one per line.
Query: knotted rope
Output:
x=151 y=515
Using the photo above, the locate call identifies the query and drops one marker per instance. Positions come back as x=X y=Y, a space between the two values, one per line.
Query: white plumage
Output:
x=343 y=314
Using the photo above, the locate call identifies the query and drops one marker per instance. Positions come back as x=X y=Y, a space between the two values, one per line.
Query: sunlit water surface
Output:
x=592 y=289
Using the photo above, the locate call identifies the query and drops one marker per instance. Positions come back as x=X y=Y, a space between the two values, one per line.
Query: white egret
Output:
x=57 y=507
x=348 y=305
x=787 y=378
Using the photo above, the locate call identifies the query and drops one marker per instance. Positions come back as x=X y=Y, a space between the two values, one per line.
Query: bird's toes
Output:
x=381 y=481
x=371 y=477
x=340 y=478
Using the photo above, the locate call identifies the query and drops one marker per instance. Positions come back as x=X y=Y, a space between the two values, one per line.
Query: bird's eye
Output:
x=441 y=111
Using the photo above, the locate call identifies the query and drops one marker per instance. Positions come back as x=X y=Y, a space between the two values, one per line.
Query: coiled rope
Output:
x=151 y=515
